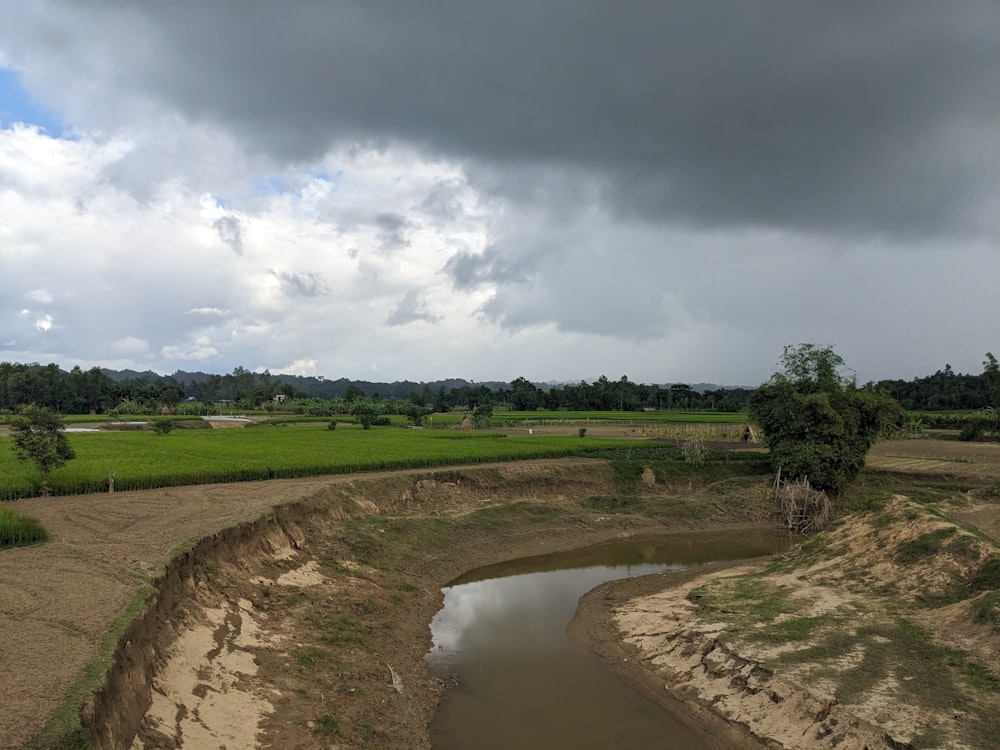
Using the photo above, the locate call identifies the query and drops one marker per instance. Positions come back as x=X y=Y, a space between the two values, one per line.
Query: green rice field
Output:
x=144 y=460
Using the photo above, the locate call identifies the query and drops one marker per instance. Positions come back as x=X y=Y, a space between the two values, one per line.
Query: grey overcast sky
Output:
x=554 y=189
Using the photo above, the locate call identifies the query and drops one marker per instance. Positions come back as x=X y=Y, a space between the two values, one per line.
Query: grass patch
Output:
x=309 y=656
x=924 y=546
x=791 y=629
x=988 y=576
x=986 y=610
x=964 y=547
x=341 y=629
x=394 y=543
x=809 y=551
x=504 y=514
x=614 y=503
x=742 y=601
x=368 y=734
x=327 y=724
x=17 y=530
x=874 y=489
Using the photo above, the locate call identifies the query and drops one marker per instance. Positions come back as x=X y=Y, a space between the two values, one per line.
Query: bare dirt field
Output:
x=937 y=457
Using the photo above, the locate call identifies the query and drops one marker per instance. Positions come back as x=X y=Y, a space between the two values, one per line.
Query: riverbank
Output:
x=879 y=633
x=306 y=602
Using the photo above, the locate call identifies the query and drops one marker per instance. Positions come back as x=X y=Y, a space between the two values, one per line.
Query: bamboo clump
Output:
x=801 y=507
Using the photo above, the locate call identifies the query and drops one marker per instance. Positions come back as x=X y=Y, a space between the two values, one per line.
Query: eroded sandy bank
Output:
x=876 y=643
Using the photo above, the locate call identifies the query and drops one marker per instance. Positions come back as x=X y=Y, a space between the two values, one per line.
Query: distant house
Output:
x=279 y=398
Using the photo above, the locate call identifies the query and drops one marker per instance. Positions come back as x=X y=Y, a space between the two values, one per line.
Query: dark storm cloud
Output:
x=230 y=231
x=494 y=265
x=875 y=116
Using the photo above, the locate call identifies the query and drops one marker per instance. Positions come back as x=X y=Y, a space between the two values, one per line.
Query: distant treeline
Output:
x=945 y=390
x=100 y=391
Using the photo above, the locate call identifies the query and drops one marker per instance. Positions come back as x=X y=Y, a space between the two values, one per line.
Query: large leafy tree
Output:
x=816 y=422
x=39 y=437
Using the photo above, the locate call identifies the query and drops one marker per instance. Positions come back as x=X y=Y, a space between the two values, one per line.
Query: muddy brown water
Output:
x=515 y=681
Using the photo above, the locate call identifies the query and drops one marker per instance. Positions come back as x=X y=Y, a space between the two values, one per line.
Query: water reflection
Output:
x=517 y=682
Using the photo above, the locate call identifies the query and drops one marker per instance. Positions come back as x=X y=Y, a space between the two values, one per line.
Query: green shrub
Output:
x=972 y=431
x=582 y=432
x=327 y=724
x=332 y=425
x=163 y=426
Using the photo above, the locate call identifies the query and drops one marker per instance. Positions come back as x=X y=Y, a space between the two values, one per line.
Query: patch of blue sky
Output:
x=331 y=177
x=222 y=201
x=284 y=184
x=17 y=105
x=272 y=185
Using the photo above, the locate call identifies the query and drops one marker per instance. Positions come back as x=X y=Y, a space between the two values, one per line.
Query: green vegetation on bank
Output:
x=142 y=460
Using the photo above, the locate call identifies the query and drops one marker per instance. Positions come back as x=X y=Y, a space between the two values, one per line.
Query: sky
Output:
x=386 y=190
